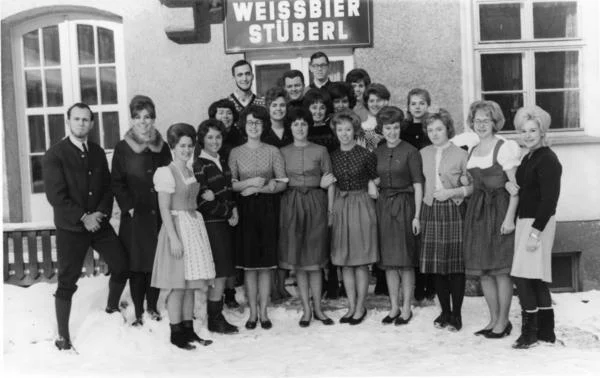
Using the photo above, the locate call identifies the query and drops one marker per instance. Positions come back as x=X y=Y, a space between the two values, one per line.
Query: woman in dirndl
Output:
x=183 y=264
x=538 y=180
x=442 y=217
x=354 y=221
x=303 y=239
x=258 y=174
x=398 y=206
x=490 y=217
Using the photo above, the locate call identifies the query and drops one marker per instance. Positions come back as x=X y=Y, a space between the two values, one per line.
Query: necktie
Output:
x=85 y=150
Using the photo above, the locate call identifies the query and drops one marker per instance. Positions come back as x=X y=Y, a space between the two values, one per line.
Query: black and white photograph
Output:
x=300 y=188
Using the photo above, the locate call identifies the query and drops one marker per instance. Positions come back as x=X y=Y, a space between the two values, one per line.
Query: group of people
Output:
x=323 y=180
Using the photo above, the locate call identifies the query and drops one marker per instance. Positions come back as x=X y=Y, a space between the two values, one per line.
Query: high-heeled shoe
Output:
x=325 y=320
x=482 y=332
x=354 y=321
x=251 y=324
x=505 y=332
x=304 y=323
x=266 y=324
x=442 y=320
x=390 y=319
x=401 y=321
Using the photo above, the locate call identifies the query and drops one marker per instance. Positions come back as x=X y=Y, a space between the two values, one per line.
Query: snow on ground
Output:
x=109 y=347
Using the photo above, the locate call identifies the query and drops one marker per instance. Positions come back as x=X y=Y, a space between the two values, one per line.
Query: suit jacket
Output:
x=77 y=183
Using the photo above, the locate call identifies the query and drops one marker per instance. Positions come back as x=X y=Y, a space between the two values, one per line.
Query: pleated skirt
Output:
x=221 y=236
x=442 y=237
x=354 y=230
x=533 y=264
x=256 y=232
x=397 y=243
x=303 y=242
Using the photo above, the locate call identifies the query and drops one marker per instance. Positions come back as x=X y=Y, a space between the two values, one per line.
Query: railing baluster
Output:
x=18 y=266
x=32 y=252
x=5 y=236
x=47 y=254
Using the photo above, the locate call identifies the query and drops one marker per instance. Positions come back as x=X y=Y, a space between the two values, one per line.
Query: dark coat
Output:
x=77 y=184
x=133 y=167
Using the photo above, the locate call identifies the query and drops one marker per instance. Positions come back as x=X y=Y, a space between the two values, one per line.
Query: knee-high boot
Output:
x=63 y=313
x=545 y=330
x=216 y=321
x=529 y=330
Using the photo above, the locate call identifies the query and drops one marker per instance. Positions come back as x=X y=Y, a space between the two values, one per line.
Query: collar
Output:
x=207 y=156
x=155 y=144
x=78 y=143
x=322 y=85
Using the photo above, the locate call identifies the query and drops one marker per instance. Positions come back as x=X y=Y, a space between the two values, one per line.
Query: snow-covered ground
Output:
x=109 y=347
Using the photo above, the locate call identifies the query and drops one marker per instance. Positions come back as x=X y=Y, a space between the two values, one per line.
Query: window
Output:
x=59 y=62
x=529 y=52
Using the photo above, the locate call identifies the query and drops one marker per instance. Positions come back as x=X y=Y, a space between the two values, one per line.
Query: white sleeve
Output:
x=509 y=155
x=468 y=138
x=164 y=180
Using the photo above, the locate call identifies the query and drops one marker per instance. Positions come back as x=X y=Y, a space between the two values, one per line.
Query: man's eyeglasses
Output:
x=320 y=66
x=485 y=122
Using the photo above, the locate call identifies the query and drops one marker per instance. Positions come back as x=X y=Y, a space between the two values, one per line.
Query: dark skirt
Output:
x=486 y=251
x=397 y=243
x=139 y=236
x=303 y=229
x=221 y=234
x=441 y=237
x=354 y=229
x=256 y=232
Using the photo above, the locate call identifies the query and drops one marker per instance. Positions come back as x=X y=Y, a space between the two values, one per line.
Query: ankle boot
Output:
x=63 y=313
x=190 y=336
x=546 y=325
x=216 y=321
x=179 y=337
x=230 y=299
x=115 y=289
x=529 y=330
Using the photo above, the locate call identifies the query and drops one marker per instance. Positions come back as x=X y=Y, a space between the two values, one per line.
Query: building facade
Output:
x=179 y=52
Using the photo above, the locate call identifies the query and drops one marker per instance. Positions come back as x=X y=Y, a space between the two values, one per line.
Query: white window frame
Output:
x=35 y=205
x=299 y=60
x=587 y=27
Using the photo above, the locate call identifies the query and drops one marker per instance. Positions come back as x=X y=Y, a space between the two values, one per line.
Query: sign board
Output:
x=253 y=25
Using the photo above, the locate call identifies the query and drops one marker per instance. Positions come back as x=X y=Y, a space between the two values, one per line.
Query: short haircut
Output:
x=533 y=113
x=296 y=113
x=378 y=90
x=347 y=115
x=358 y=74
x=492 y=109
x=340 y=89
x=258 y=112
x=273 y=94
x=223 y=103
x=80 y=105
x=240 y=63
x=418 y=92
x=317 y=55
x=314 y=96
x=388 y=115
x=291 y=74
x=205 y=127
x=178 y=131
x=442 y=115
x=141 y=102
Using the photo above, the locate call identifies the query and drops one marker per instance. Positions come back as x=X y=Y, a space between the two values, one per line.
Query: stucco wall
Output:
x=417 y=44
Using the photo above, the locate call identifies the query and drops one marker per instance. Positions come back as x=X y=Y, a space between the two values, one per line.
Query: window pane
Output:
x=33 y=84
x=500 y=21
x=31 y=49
x=562 y=106
x=54 y=94
x=37 y=134
x=555 y=20
x=37 y=180
x=110 y=126
x=108 y=85
x=501 y=72
x=94 y=135
x=85 y=42
x=557 y=69
x=56 y=127
x=267 y=76
x=106 y=45
x=51 y=46
x=87 y=80
x=509 y=103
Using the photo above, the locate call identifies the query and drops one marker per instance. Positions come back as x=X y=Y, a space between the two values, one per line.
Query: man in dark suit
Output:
x=319 y=67
x=77 y=182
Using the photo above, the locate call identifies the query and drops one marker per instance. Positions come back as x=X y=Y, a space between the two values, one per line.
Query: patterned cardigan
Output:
x=212 y=178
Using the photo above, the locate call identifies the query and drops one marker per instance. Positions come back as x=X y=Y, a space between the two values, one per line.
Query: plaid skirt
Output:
x=441 y=237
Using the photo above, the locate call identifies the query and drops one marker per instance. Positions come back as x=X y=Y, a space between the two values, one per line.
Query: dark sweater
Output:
x=77 y=183
x=212 y=178
x=539 y=179
x=413 y=133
